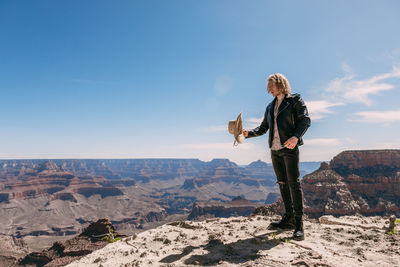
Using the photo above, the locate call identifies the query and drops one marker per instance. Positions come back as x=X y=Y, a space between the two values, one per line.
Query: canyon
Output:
x=42 y=201
x=46 y=200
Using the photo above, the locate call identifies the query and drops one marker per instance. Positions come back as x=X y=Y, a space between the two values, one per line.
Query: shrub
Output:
x=111 y=236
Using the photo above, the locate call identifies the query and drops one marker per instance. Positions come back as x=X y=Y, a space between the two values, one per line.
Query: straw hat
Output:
x=235 y=127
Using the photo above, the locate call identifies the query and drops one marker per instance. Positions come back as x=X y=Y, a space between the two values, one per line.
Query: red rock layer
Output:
x=49 y=180
x=365 y=182
x=357 y=159
x=238 y=207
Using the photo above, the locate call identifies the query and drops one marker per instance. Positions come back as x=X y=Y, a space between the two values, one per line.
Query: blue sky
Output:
x=155 y=79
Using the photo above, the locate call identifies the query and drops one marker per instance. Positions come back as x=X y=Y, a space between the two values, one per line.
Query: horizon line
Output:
x=49 y=159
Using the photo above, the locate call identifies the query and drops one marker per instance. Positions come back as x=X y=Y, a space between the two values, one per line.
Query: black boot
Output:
x=287 y=222
x=298 y=229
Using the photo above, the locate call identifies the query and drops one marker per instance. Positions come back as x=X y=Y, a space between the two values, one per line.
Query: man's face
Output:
x=273 y=89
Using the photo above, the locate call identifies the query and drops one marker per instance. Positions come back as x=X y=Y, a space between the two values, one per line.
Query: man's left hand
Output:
x=291 y=142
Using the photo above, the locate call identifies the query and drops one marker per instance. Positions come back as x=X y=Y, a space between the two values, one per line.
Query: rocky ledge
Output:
x=246 y=241
x=94 y=237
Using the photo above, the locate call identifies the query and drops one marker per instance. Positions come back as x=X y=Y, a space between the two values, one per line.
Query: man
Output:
x=286 y=118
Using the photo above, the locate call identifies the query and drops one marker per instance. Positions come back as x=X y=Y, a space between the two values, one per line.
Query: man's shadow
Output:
x=236 y=252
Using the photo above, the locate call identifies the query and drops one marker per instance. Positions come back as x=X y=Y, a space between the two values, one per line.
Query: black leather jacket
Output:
x=292 y=120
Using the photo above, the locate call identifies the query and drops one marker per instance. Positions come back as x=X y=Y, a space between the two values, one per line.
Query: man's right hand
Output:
x=245 y=133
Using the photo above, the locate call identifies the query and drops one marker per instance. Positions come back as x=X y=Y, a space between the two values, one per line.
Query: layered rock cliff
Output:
x=139 y=169
x=365 y=182
x=44 y=200
x=237 y=207
x=221 y=170
x=11 y=250
x=367 y=163
x=47 y=179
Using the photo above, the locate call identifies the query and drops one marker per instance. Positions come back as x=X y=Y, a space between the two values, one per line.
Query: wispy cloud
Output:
x=395 y=144
x=223 y=84
x=217 y=146
x=216 y=128
x=318 y=109
x=346 y=68
x=323 y=142
x=350 y=89
x=249 y=123
x=394 y=55
x=384 y=117
x=253 y=122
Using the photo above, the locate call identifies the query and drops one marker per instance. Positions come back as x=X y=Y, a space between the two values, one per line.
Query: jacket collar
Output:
x=284 y=104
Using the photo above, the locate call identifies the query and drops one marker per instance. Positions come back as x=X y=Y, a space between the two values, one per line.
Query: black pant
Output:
x=286 y=166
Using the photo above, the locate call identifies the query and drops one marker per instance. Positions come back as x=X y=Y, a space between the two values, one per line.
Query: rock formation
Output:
x=365 y=182
x=272 y=197
x=138 y=169
x=12 y=249
x=94 y=237
x=47 y=179
x=367 y=163
x=237 y=207
x=221 y=170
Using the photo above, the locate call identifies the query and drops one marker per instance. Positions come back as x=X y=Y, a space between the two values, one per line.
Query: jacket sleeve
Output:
x=302 y=117
x=260 y=130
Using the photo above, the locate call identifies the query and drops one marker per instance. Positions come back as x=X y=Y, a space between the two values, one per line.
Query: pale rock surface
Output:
x=11 y=249
x=246 y=241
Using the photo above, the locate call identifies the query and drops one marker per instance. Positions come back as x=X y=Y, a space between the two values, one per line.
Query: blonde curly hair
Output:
x=281 y=83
